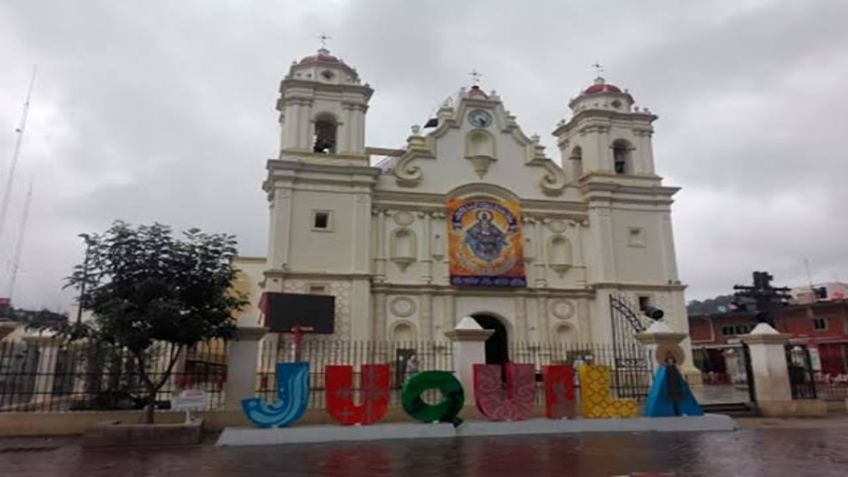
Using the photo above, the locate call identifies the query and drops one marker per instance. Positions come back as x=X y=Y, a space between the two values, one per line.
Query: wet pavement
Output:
x=760 y=450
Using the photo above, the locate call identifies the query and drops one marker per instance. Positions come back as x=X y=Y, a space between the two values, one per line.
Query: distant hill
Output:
x=709 y=306
x=34 y=317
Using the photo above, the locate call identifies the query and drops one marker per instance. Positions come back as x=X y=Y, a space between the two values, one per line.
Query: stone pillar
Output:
x=48 y=351
x=242 y=361
x=662 y=342
x=469 y=348
x=768 y=363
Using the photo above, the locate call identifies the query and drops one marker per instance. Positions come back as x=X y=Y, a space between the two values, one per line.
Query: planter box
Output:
x=117 y=434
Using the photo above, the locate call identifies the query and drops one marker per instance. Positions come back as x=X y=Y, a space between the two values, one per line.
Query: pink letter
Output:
x=511 y=403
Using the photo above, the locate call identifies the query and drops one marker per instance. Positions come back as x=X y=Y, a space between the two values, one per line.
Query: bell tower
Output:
x=322 y=107
x=607 y=134
x=319 y=191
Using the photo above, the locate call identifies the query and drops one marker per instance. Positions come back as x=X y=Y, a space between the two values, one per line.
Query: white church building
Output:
x=469 y=218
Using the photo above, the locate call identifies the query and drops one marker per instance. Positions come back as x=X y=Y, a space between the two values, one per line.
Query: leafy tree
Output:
x=144 y=286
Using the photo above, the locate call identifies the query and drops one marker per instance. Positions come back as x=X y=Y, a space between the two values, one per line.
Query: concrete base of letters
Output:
x=245 y=436
x=241 y=436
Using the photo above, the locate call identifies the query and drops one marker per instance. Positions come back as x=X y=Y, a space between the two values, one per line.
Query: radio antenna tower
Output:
x=16 y=264
x=10 y=180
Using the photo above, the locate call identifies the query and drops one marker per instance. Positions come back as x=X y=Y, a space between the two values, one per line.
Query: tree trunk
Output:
x=151 y=404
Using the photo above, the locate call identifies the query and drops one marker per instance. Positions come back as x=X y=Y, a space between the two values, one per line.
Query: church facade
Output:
x=469 y=218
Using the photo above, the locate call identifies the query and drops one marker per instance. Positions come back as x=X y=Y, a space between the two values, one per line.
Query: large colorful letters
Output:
x=559 y=391
x=374 y=394
x=292 y=398
x=514 y=402
x=595 y=399
x=445 y=410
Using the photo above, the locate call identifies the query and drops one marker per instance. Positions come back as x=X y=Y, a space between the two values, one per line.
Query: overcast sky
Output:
x=164 y=111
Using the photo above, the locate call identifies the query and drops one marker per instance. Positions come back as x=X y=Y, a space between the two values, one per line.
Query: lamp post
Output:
x=88 y=243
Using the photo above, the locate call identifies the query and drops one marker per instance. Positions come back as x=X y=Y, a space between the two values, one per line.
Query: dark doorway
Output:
x=497 y=350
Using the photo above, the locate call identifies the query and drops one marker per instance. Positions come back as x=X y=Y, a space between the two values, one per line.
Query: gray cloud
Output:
x=164 y=111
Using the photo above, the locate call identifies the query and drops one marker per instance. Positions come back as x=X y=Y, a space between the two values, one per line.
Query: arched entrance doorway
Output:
x=497 y=349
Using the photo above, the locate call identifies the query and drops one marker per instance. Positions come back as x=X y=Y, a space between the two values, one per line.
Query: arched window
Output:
x=622 y=163
x=324 y=141
x=576 y=159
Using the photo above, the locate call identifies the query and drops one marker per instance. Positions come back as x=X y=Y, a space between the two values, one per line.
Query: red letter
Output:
x=513 y=403
x=559 y=391
x=374 y=393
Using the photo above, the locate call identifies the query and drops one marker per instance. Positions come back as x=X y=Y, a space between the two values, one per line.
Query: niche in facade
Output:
x=403 y=248
x=480 y=150
x=559 y=254
x=565 y=334
x=403 y=332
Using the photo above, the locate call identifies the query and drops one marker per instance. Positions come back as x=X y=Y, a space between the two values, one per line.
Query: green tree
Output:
x=145 y=286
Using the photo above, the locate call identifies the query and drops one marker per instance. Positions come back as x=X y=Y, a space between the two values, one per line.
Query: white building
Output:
x=470 y=217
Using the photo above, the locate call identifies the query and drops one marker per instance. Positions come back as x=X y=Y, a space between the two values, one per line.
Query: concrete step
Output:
x=734 y=409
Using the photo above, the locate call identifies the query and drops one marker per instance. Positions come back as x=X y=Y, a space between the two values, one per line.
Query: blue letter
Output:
x=292 y=398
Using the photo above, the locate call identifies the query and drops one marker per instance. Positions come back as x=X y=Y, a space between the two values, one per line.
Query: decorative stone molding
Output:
x=561 y=309
x=554 y=181
x=403 y=218
x=402 y=306
x=557 y=226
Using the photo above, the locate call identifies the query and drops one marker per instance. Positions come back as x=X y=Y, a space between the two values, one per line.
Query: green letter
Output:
x=445 y=410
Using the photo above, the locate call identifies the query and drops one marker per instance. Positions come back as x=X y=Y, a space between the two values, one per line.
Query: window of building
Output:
x=819 y=324
x=644 y=302
x=733 y=330
x=621 y=157
x=636 y=237
x=322 y=220
x=325 y=135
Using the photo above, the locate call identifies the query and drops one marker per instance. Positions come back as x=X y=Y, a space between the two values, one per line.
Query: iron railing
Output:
x=51 y=376
x=404 y=357
x=631 y=379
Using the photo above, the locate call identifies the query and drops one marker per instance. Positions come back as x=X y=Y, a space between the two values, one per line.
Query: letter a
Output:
x=513 y=403
x=559 y=391
x=374 y=394
x=292 y=398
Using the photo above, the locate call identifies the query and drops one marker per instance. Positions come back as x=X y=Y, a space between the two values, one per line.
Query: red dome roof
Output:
x=476 y=91
x=602 y=88
x=323 y=55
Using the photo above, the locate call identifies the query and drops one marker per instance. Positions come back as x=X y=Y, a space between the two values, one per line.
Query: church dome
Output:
x=601 y=86
x=322 y=55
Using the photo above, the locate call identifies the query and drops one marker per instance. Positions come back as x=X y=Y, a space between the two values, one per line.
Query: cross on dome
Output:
x=323 y=37
x=599 y=69
x=475 y=77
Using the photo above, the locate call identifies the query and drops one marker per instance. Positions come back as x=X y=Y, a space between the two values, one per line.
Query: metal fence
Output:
x=630 y=378
x=404 y=357
x=46 y=376
x=831 y=388
x=629 y=364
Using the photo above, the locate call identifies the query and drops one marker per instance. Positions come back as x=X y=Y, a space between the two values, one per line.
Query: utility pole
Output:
x=16 y=263
x=10 y=179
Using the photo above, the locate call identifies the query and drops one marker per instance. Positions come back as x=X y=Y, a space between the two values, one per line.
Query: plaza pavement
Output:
x=763 y=447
